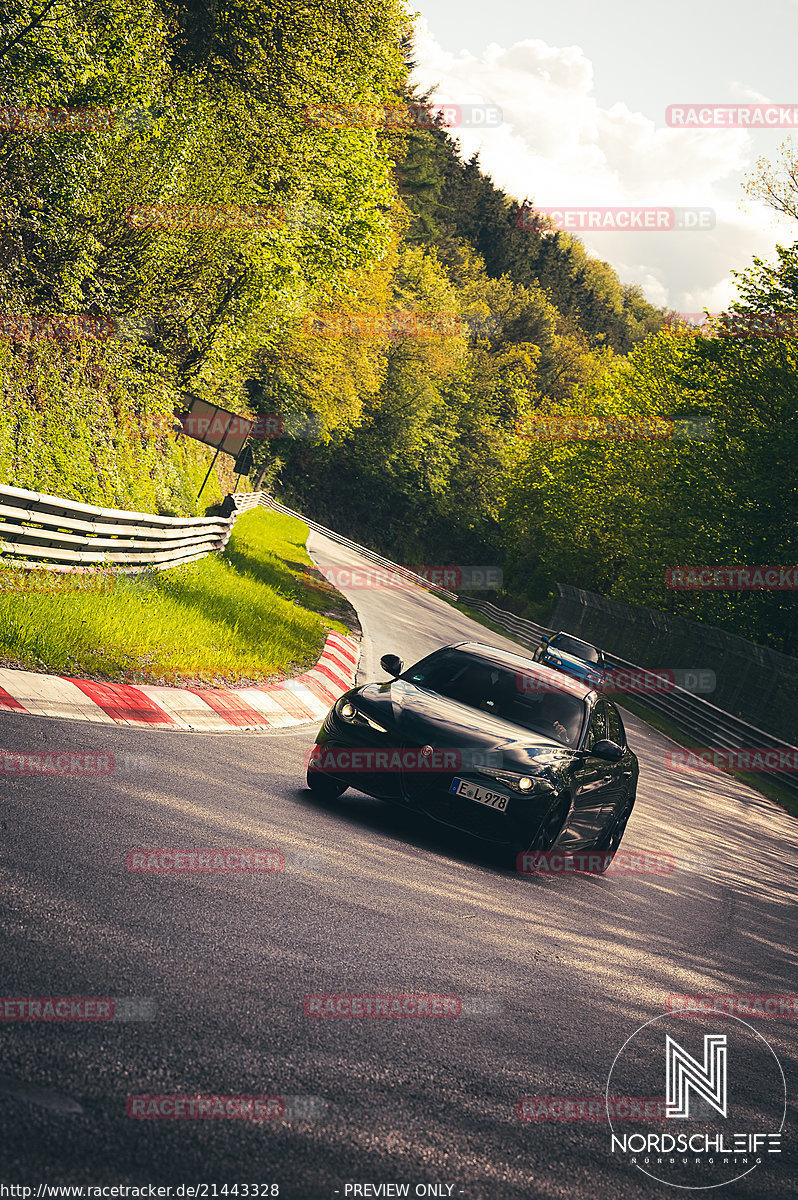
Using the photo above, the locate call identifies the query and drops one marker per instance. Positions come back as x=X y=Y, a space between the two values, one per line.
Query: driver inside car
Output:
x=557 y=716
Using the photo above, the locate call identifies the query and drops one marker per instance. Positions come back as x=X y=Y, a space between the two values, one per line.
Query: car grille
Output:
x=421 y=786
x=478 y=819
x=517 y=825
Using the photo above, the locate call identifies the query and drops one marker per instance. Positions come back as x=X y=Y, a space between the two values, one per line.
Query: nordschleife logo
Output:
x=724 y=1096
x=684 y=1074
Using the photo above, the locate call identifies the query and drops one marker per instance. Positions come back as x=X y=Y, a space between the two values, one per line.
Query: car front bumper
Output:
x=347 y=754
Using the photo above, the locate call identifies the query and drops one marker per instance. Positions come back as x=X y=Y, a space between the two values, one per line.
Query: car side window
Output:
x=615 y=730
x=597 y=730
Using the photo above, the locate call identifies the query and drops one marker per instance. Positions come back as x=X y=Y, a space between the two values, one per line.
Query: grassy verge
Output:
x=259 y=611
x=766 y=787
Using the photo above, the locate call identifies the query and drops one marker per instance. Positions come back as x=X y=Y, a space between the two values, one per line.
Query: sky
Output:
x=583 y=89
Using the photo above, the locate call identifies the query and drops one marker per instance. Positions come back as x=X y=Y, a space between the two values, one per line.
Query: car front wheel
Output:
x=550 y=829
x=324 y=786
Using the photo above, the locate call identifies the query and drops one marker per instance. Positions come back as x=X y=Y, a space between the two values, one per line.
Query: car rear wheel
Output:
x=324 y=786
x=610 y=841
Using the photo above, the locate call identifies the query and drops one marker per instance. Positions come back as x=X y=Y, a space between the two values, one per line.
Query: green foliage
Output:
x=612 y=515
x=411 y=444
x=201 y=107
x=95 y=423
x=453 y=201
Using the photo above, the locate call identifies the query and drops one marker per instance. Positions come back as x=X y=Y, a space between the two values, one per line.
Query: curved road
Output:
x=555 y=973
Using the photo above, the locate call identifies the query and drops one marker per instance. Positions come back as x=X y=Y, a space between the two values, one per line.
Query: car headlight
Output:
x=513 y=779
x=347 y=711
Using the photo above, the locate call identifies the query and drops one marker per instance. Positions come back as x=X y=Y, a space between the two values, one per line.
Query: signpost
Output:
x=214 y=426
x=244 y=464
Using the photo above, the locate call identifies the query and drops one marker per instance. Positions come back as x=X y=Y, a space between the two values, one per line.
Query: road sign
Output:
x=225 y=431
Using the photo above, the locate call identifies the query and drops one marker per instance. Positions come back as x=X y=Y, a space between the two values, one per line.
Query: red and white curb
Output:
x=308 y=697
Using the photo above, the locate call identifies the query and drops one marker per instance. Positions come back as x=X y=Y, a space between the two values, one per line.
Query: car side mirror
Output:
x=392 y=663
x=544 y=641
x=608 y=750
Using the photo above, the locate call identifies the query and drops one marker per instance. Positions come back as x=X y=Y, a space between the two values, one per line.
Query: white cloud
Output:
x=557 y=146
x=748 y=95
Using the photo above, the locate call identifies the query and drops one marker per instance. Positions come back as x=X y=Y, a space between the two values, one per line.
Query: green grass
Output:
x=259 y=611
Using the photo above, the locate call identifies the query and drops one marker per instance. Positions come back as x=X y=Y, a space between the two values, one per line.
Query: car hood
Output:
x=419 y=717
x=576 y=666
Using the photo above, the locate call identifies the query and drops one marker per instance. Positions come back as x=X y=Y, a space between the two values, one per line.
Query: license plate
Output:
x=472 y=791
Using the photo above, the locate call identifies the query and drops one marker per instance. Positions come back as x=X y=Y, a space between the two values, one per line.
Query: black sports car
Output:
x=489 y=742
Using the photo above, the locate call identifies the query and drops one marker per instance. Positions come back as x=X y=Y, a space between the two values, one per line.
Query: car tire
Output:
x=550 y=829
x=324 y=786
x=610 y=841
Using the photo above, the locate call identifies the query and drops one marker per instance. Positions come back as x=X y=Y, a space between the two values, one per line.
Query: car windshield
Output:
x=521 y=696
x=571 y=645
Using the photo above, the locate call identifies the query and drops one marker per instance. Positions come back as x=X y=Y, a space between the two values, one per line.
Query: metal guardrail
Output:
x=711 y=726
x=64 y=535
x=521 y=629
x=38 y=530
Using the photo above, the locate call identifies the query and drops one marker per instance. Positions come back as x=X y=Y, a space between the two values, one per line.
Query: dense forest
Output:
x=418 y=443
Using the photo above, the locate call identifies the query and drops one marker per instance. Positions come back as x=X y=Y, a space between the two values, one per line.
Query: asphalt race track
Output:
x=557 y=972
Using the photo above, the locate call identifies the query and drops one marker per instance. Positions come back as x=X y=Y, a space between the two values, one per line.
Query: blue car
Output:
x=573 y=657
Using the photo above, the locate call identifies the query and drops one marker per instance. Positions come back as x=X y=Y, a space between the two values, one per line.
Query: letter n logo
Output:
x=683 y=1072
